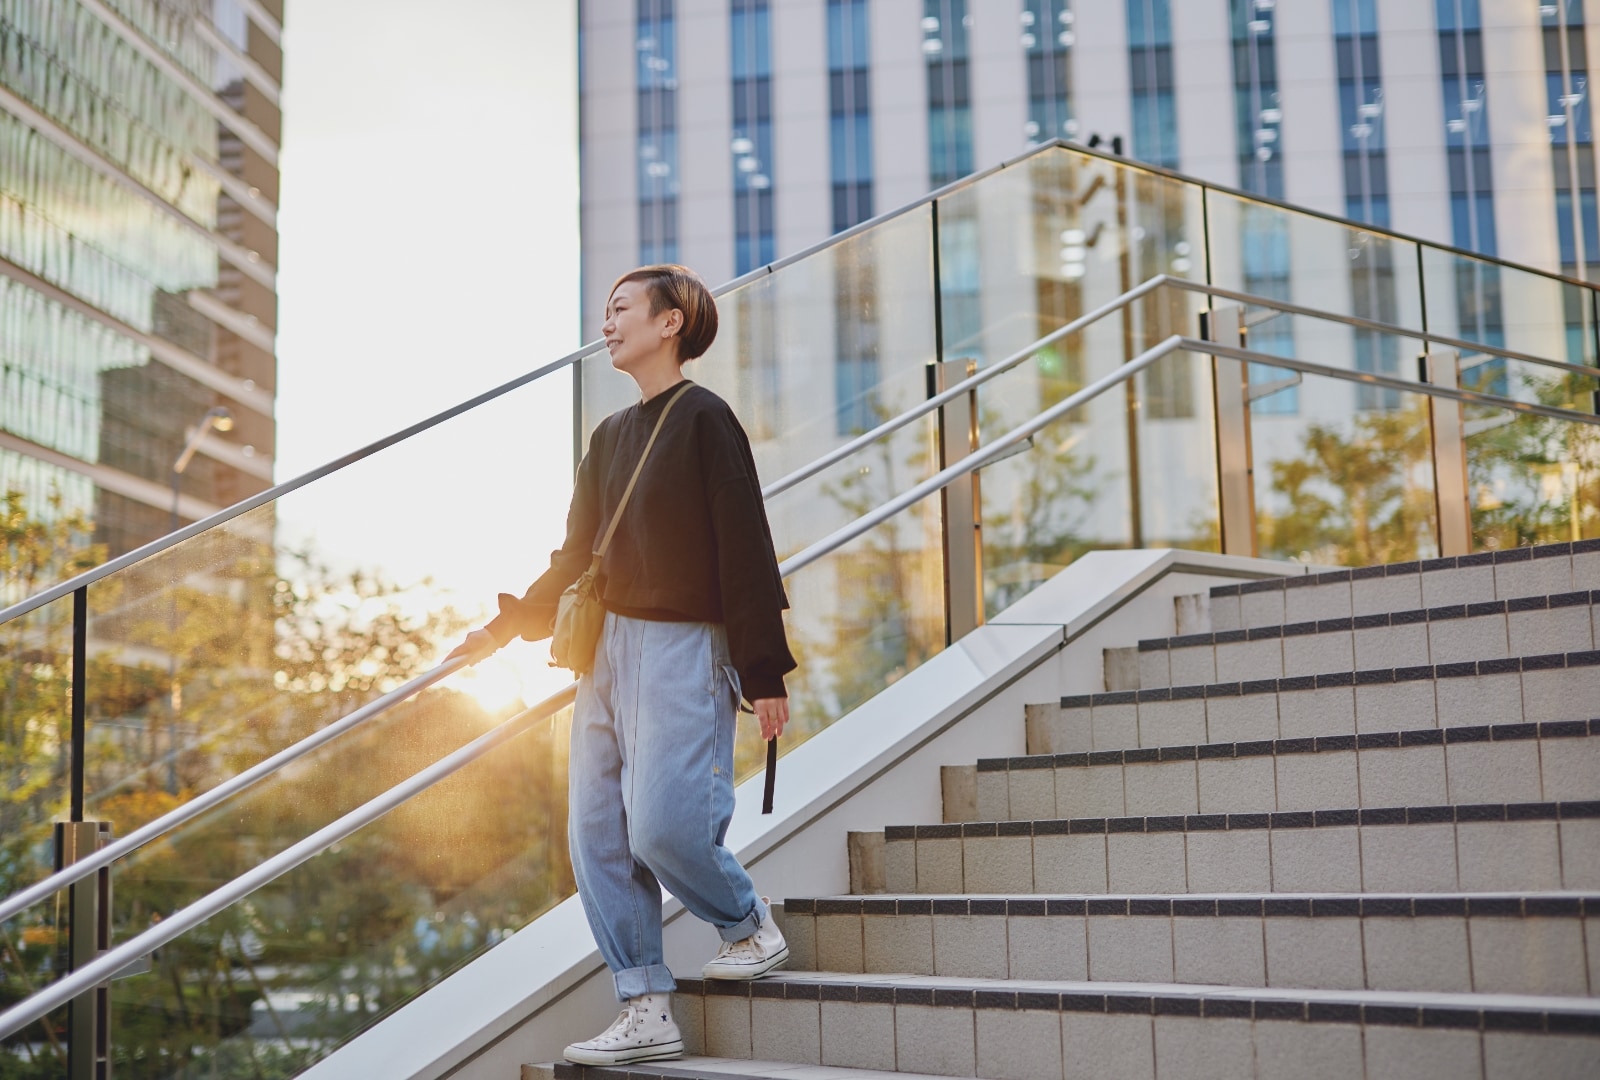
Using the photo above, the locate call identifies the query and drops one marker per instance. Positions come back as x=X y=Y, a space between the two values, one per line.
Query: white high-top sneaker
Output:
x=643 y=1031
x=754 y=956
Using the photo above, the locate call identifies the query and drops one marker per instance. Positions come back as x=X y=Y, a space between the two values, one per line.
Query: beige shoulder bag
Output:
x=579 y=614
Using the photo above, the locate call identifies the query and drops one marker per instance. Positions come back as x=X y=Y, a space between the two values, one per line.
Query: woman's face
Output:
x=634 y=337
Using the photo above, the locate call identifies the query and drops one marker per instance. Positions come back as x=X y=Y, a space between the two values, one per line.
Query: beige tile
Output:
x=1479 y=699
x=1145 y=862
x=1238 y=860
x=1549 y=1057
x=839 y=942
x=970 y=946
x=1261 y=608
x=1195 y=665
x=1408 y=858
x=1033 y=794
x=939 y=866
x=1396 y=1053
x=1319 y=654
x=1503 y=855
x=1225 y=613
x=1317 y=781
x=1586 y=570
x=1313 y=602
x=1090 y=791
x=1374 y=596
x=1246 y=718
x=1069 y=864
x=1533 y=577
x=1189 y=1048
x=1161 y=788
x=1403 y=706
x=1309 y=713
x=1224 y=951
x=994 y=795
x=1153 y=669
x=997 y=864
x=1019 y=1045
x=1054 y=947
x=1465 y=585
x=1566 y=694
x=1408 y=776
x=1172 y=723
x=1417 y=954
x=929 y=1039
x=1456 y=641
x=727 y=1026
x=1534 y=955
x=900 y=866
x=1054 y=730
x=1097 y=1046
x=1243 y=661
x=1289 y=1051
x=857 y=1036
x=800 y=932
x=1316 y=860
x=1314 y=954
x=1124 y=948
x=1237 y=786
x=1580 y=857
x=1570 y=769
x=1392 y=646
x=892 y=943
x=1497 y=772
x=1114 y=727
x=1565 y=629
x=689 y=1011
x=785 y=1031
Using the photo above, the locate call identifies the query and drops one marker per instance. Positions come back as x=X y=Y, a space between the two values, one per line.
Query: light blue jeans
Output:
x=650 y=793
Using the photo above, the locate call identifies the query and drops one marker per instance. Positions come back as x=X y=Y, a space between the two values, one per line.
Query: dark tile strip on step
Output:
x=1581 y=1017
x=1460 y=905
x=565 y=1070
x=1372 y=740
x=1460 y=562
x=1446 y=613
x=1507 y=666
x=1279 y=819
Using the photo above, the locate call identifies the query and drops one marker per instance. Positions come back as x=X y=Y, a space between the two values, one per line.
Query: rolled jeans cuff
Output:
x=636 y=982
x=745 y=927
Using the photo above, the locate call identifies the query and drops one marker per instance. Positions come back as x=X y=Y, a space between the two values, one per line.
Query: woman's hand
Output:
x=479 y=646
x=773 y=712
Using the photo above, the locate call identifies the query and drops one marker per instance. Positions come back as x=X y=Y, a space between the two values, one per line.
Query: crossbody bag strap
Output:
x=616 y=516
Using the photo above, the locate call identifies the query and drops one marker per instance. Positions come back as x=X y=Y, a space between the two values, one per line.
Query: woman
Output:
x=693 y=620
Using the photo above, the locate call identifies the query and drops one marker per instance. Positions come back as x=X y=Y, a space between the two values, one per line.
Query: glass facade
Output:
x=750 y=36
x=1366 y=176
x=946 y=27
x=1155 y=108
x=657 y=51
x=849 y=112
x=1571 y=133
x=1048 y=35
x=137 y=245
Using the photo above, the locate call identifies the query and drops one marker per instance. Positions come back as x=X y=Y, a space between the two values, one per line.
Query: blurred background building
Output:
x=138 y=246
x=725 y=133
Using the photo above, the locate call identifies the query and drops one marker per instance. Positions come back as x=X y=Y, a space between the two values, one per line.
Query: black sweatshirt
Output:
x=693 y=544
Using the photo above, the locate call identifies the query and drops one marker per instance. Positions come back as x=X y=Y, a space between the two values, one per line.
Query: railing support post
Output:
x=960 y=505
x=1448 y=426
x=1230 y=381
x=88 y=935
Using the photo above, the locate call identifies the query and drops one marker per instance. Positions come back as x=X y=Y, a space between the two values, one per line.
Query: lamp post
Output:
x=221 y=419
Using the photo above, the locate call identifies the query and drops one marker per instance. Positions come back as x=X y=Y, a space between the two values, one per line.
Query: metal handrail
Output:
x=1287 y=308
x=176 y=924
x=954 y=391
x=198 y=805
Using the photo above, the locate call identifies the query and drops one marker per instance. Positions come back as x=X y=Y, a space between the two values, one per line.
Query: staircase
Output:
x=1351 y=828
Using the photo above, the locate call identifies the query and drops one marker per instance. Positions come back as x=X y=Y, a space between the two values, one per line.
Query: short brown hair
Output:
x=674 y=286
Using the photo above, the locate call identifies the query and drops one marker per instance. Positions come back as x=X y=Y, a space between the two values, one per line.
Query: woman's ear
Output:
x=674 y=324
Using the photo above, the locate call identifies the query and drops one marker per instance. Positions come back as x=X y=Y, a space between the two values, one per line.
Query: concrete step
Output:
x=1557 y=761
x=696 y=1067
x=1489 y=848
x=1450 y=634
x=1513 y=690
x=1454 y=943
x=1469 y=579
x=1041 y=1029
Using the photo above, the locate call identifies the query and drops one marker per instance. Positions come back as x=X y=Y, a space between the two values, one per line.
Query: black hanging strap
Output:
x=772 y=775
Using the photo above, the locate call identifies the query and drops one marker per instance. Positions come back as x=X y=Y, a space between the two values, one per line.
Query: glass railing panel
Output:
x=1531 y=479
x=280 y=979
x=1509 y=308
x=1026 y=250
x=1347 y=480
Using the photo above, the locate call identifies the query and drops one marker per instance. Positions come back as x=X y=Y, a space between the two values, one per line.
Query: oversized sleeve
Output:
x=533 y=615
x=753 y=599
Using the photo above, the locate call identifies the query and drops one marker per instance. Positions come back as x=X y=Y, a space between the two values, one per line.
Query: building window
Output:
x=945 y=28
x=855 y=330
x=1366 y=176
x=1571 y=135
x=1047 y=40
x=849 y=112
x=1258 y=115
x=750 y=34
x=1155 y=110
x=656 y=49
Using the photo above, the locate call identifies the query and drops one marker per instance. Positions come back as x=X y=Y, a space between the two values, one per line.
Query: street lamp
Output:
x=220 y=418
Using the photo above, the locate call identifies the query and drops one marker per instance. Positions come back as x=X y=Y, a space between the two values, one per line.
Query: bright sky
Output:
x=429 y=252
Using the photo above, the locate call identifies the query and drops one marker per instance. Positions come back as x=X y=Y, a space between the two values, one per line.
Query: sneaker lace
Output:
x=744 y=949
